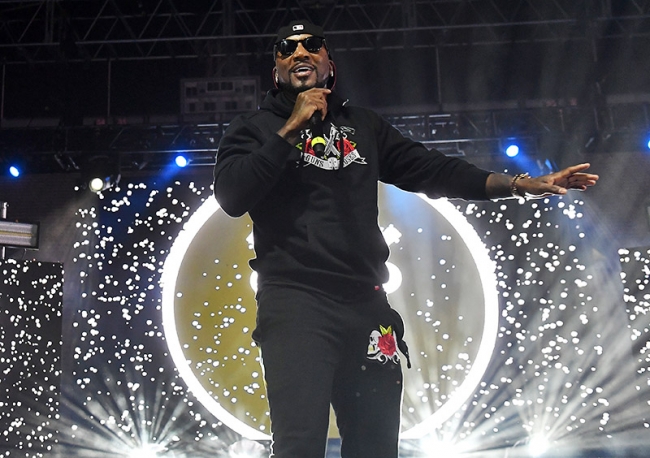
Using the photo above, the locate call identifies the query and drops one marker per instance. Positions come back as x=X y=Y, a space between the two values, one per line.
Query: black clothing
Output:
x=315 y=219
x=325 y=329
x=314 y=352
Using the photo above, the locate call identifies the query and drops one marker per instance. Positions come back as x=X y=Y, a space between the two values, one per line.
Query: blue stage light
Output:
x=648 y=144
x=181 y=161
x=512 y=150
x=14 y=171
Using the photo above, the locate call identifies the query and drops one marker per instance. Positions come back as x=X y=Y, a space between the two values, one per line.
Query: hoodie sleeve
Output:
x=249 y=163
x=409 y=165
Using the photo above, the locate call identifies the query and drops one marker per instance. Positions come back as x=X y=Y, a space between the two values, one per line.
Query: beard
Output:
x=293 y=91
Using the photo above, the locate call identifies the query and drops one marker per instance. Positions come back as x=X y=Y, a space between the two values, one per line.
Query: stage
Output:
x=128 y=333
x=528 y=330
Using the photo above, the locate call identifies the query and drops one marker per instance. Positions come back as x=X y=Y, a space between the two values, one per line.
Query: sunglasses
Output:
x=288 y=47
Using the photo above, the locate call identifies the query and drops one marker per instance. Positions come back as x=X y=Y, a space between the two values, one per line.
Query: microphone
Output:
x=316 y=126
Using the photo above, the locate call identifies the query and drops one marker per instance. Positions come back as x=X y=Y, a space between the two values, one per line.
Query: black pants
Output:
x=317 y=351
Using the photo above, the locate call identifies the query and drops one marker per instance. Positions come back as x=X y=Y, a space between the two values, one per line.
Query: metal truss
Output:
x=545 y=129
x=54 y=30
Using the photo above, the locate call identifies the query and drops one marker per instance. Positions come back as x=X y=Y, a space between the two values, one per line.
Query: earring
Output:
x=331 y=73
x=277 y=80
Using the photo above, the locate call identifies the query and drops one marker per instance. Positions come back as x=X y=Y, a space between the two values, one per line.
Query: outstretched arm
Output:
x=499 y=186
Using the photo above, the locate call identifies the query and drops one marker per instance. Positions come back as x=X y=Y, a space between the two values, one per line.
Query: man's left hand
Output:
x=557 y=183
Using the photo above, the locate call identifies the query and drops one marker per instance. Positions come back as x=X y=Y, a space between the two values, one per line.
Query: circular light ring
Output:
x=168 y=280
x=485 y=267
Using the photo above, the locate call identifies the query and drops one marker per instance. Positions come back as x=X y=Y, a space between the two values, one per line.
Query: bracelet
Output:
x=513 y=185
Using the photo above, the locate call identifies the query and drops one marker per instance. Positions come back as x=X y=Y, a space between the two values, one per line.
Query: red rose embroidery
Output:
x=387 y=344
x=382 y=345
x=348 y=146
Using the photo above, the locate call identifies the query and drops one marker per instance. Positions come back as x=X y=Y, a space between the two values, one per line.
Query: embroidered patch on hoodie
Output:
x=383 y=346
x=334 y=144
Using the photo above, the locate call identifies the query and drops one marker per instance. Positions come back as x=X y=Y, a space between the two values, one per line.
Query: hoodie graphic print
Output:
x=334 y=143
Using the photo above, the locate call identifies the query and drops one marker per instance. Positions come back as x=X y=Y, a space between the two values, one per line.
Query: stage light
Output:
x=100 y=173
x=20 y=235
x=148 y=451
x=538 y=445
x=246 y=449
x=435 y=447
x=14 y=171
x=512 y=150
x=96 y=184
x=648 y=144
x=181 y=161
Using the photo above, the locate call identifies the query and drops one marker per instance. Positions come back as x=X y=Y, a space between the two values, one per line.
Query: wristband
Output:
x=513 y=185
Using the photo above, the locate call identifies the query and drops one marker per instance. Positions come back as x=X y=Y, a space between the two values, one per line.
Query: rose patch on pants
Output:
x=383 y=346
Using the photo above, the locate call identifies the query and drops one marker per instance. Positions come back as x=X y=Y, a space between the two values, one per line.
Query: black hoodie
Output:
x=315 y=218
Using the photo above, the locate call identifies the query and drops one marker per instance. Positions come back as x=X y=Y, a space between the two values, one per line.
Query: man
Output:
x=326 y=331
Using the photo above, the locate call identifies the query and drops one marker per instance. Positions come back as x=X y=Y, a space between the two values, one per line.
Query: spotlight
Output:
x=100 y=173
x=14 y=171
x=148 y=451
x=538 y=445
x=181 y=161
x=512 y=150
x=97 y=184
x=434 y=447
x=246 y=449
x=648 y=145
